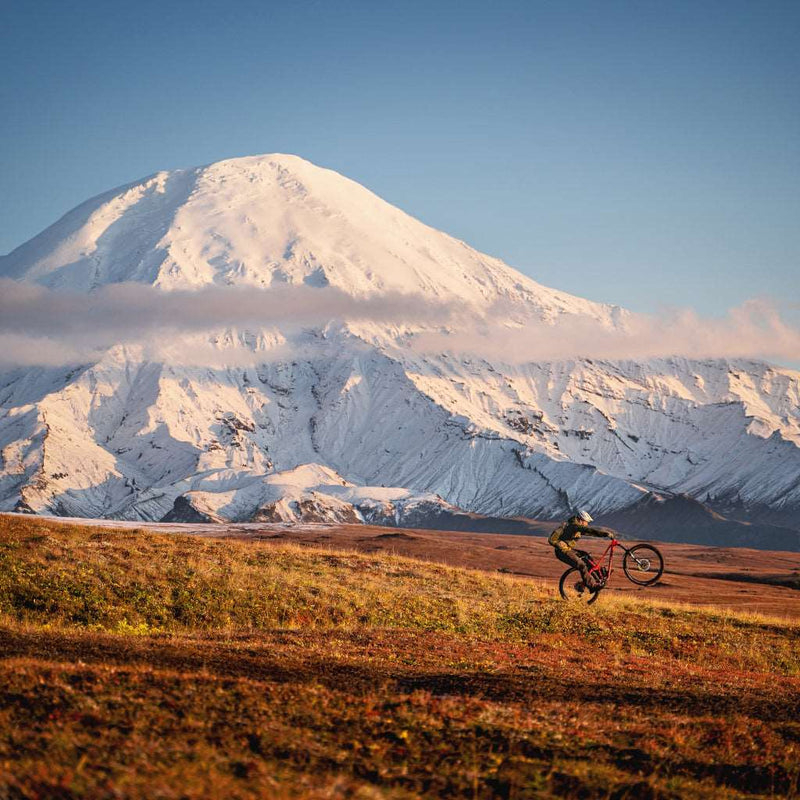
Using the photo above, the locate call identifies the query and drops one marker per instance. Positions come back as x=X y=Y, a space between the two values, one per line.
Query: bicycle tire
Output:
x=567 y=588
x=643 y=564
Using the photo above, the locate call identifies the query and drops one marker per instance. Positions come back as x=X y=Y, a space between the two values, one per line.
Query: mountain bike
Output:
x=642 y=564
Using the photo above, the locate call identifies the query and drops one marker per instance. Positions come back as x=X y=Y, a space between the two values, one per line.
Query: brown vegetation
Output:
x=148 y=665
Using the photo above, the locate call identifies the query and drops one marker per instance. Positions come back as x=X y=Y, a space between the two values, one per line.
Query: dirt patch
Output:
x=789 y=581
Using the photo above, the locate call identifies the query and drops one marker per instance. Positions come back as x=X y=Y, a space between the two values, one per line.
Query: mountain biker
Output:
x=563 y=539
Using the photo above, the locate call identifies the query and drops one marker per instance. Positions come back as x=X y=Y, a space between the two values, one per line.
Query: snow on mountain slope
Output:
x=310 y=492
x=675 y=425
x=132 y=438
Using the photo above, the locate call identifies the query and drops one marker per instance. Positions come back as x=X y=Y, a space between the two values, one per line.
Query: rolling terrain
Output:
x=736 y=578
x=137 y=664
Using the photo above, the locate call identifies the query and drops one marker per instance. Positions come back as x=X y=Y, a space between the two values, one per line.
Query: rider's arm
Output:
x=603 y=532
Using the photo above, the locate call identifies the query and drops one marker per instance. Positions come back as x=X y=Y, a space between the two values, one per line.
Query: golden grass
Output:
x=136 y=582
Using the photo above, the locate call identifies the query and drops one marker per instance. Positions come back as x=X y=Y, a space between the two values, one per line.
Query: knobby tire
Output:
x=643 y=564
x=567 y=590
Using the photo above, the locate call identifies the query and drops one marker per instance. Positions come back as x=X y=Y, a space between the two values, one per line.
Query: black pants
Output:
x=574 y=558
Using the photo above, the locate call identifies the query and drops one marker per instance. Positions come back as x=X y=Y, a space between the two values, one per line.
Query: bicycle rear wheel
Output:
x=572 y=588
x=643 y=564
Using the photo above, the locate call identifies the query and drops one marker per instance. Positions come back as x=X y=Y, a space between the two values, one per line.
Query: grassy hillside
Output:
x=143 y=665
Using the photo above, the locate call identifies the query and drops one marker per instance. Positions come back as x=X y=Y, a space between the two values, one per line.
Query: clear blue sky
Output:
x=643 y=153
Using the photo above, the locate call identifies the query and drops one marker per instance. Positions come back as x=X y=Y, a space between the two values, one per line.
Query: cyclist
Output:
x=563 y=539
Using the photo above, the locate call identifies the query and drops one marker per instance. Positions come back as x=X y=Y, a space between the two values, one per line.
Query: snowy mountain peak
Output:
x=269 y=220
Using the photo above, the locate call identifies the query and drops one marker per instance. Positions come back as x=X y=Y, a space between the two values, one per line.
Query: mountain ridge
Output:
x=126 y=437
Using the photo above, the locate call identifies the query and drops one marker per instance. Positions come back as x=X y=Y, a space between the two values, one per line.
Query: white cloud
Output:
x=40 y=326
x=752 y=330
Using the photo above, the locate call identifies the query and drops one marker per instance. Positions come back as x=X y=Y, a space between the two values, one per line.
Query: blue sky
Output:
x=644 y=153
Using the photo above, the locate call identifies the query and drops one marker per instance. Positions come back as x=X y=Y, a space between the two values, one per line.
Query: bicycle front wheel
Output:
x=643 y=564
x=572 y=588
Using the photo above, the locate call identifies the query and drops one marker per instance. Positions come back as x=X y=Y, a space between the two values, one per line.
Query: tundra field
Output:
x=144 y=664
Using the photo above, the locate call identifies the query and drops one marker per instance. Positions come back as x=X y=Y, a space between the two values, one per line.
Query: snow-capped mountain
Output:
x=356 y=402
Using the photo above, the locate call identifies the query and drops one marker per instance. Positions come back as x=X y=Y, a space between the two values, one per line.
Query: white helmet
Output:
x=585 y=516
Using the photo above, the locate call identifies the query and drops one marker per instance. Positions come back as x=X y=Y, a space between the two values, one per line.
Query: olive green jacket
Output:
x=565 y=536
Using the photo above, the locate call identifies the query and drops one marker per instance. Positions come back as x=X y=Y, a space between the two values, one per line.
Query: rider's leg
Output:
x=573 y=559
x=591 y=579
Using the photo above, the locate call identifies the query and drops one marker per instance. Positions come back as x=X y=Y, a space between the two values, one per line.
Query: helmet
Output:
x=585 y=516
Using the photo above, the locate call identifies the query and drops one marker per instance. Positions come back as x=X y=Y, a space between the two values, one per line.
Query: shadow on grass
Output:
x=255 y=658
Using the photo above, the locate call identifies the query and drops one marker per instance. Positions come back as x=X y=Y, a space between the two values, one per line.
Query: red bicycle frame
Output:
x=597 y=566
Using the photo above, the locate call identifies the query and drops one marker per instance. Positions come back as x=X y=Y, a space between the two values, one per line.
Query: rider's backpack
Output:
x=555 y=536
